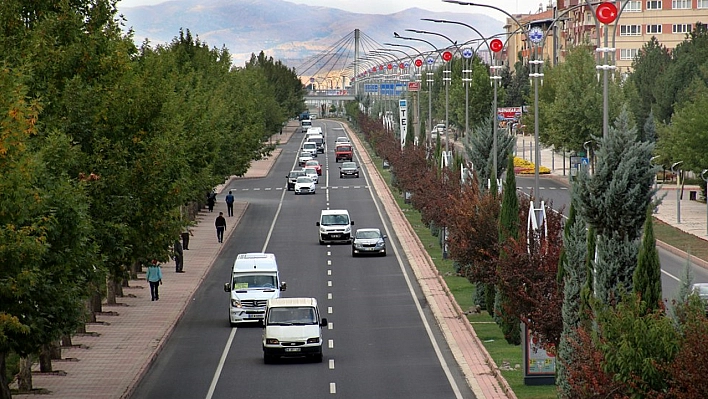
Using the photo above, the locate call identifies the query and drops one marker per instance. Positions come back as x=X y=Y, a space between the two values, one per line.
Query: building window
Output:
x=680 y=4
x=628 y=53
x=702 y=3
x=654 y=5
x=630 y=30
x=681 y=28
x=635 y=6
x=653 y=29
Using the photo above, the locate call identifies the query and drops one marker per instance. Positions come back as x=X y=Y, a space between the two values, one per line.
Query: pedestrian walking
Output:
x=154 y=277
x=220 y=224
x=179 y=257
x=211 y=200
x=185 y=237
x=230 y=203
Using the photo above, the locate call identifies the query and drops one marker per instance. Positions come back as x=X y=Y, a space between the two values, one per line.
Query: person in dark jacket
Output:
x=179 y=257
x=230 y=204
x=220 y=224
x=211 y=200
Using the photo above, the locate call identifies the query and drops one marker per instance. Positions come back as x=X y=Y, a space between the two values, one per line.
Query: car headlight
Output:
x=323 y=230
x=313 y=340
x=272 y=341
x=348 y=229
x=235 y=303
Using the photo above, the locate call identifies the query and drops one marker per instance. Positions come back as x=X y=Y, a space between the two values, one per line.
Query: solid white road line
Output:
x=215 y=379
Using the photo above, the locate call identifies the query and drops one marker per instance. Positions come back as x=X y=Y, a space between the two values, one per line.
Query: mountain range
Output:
x=298 y=35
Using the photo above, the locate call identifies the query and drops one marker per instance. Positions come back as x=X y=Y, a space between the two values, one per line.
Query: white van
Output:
x=335 y=226
x=305 y=124
x=317 y=139
x=292 y=328
x=254 y=280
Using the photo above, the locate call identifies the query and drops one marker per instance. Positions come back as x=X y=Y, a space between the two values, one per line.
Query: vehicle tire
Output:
x=383 y=253
x=317 y=358
x=321 y=242
x=353 y=253
x=341 y=176
x=268 y=359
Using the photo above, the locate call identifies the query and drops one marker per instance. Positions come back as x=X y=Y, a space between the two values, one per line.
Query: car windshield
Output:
x=348 y=165
x=368 y=234
x=310 y=171
x=304 y=179
x=344 y=148
x=329 y=220
x=297 y=174
x=292 y=315
x=253 y=282
x=312 y=163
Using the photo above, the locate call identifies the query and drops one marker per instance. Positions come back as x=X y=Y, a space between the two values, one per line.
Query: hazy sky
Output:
x=391 y=6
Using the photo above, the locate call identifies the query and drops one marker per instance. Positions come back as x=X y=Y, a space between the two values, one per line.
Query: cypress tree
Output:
x=574 y=278
x=647 y=275
x=508 y=229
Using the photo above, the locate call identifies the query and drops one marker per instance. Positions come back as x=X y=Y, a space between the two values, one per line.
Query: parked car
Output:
x=312 y=173
x=292 y=178
x=701 y=289
x=369 y=241
x=349 y=169
x=314 y=164
x=305 y=185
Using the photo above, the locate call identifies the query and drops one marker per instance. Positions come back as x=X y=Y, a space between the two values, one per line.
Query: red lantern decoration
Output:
x=606 y=13
x=401 y=65
x=389 y=66
x=496 y=45
x=418 y=62
x=446 y=56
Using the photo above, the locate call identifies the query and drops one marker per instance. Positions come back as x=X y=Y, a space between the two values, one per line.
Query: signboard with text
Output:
x=509 y=113
x=403 y=116
x=413 y=86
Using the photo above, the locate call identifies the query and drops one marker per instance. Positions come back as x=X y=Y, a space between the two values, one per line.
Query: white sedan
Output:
x=305 y=185
x=312 y=173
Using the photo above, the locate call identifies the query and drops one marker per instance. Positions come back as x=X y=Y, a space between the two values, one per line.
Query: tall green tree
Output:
x=480 y=150
x=647 y=275
x=508 y=230
x=614 y=201
x=651 y=62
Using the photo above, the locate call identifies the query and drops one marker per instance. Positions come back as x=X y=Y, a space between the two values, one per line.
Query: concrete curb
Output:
x=423 y=280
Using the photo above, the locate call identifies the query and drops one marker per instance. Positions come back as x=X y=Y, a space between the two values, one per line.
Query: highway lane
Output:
x=672 y=266
x=382 y=341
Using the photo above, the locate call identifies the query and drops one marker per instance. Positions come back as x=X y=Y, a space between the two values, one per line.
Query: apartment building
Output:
x=570 y=23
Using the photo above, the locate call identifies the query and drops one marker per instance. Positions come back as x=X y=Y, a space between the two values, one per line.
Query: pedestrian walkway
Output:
x=682 y=213
x=108 y=361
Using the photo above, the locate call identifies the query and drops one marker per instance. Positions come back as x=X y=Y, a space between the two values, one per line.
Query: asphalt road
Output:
x=383 y=342
x=672 y=266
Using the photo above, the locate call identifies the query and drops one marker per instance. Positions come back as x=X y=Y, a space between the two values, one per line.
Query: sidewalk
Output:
x=108 y=362
x=692 y=213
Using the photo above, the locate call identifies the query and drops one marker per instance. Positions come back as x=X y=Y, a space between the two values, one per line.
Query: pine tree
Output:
x=613 y=202
x=647 y=275
x=480 y=150
x=508 y=229
x=574 y=278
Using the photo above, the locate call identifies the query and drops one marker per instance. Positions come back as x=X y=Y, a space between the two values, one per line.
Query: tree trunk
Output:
x=4 y=384
x=134 y=270
x=55 y=350
x=119 y=287
x=45 y=358
x=95 y=306
x=110 y=291
x=24 y=377
x=66 y=341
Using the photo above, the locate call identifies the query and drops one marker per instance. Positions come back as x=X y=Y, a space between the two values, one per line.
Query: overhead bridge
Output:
x=329 y=95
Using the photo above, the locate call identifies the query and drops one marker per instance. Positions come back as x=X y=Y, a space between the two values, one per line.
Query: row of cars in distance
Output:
x=291 y=326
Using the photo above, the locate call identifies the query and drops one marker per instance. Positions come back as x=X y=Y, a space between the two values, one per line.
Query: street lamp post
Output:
x=447 y=79
x=430 y=61
x=704 y=176
x=411 y=77
x=676 y=170
x=419 y=64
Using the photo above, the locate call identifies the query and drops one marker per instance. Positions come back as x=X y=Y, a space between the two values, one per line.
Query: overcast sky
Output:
x=391 y=6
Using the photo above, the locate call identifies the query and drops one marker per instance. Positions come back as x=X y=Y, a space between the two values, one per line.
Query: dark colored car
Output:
x=292 y=178
x=349 y=169
x=369 y=242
